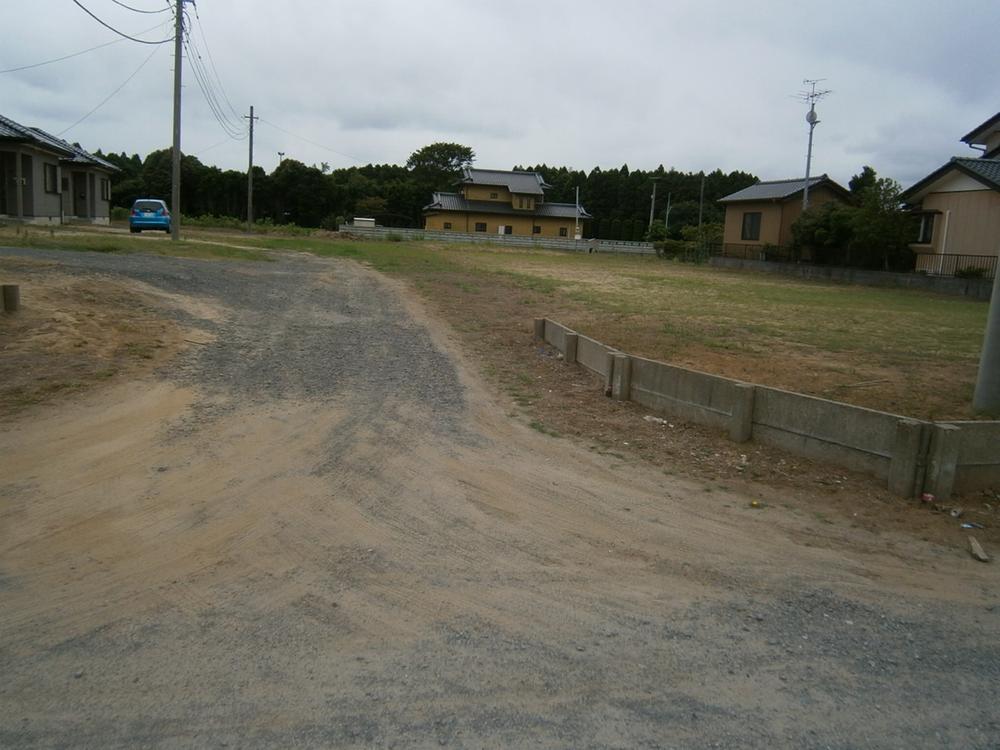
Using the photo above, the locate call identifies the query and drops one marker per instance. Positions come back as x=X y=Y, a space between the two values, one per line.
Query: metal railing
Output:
x=955 y=264
x=754 y=252
x=517 y=240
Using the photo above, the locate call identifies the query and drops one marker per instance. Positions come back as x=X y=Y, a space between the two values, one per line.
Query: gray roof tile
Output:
x=776 y=190
x=10 y=130
x=528 y=183
x=455 y=202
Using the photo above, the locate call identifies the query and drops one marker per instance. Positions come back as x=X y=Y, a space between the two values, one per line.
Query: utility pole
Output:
x=251 y=118
x=701 y=205
x=666 y=216
x=987 y=394
x=175 y=178
x=576 y=228
x=652 y=205
x=811 y=96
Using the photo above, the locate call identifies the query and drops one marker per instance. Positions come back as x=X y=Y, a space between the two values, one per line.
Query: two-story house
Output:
x=959 y=208
x=46 y=180
x=499 y=202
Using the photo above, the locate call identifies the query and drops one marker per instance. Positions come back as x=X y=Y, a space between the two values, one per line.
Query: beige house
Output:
x=45 y=180
x=762 y=214
x=959 y=208
x=497 y=202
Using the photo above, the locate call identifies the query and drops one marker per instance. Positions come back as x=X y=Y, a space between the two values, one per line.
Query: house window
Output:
x=51 y=178
x=508 y=229
x=105 y=190
x=494 y=196
x=751 y=226
x=447 y=225
x=926 y=234
x=536 y=229
x=520 y=202
x=480 y=226
x=563 y=232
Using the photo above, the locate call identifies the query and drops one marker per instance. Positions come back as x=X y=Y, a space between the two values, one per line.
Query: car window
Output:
x=147 y=205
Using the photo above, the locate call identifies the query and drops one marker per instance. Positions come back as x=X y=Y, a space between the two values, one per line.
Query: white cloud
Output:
x=696 y=85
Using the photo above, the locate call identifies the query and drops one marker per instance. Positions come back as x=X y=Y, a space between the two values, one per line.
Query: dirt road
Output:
x=313 y=527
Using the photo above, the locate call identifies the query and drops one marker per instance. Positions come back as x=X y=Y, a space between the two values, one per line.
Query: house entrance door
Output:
x=7 y=197
x=28 y=185
x=80 y=194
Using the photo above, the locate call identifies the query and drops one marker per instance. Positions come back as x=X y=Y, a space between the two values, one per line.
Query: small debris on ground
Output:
x=977 y=551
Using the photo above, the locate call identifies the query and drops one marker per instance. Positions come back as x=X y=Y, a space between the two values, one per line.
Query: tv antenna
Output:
x=811 y=96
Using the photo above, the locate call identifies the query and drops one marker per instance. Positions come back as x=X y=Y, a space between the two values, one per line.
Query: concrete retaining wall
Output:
x=861 y=439
x=978 y=463
x=695 y=396
x=911 y=456
x=972 y=288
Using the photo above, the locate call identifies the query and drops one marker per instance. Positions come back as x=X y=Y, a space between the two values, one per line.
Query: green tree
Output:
x=863 y=180
x=440 y=160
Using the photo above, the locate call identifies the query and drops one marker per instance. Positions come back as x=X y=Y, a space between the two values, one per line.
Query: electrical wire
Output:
x=75 y=54
x=211 y=61
x=119 y=33
x=234 y=131
x=108 y=97
x=139 y=10
x=303 y=138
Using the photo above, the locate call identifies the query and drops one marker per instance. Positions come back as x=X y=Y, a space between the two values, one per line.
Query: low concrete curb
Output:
x=912 y=456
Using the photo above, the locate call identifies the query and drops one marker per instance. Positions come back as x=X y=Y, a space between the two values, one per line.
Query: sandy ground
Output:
x=186 y=562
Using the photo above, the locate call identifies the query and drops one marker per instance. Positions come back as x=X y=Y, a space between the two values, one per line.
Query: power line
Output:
x=211 y=61
x=112 y=28
x=204 y=83
x=139 y=10
x=74 y=54
x=319 y=145
x=108 y=97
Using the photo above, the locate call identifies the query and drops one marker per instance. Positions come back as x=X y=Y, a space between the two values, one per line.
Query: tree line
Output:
x=316 y=196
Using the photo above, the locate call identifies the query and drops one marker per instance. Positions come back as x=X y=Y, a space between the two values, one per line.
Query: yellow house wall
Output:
x=522 y=225
x=776 y=219
x=973 y=224
x=770 y=223
x=483 y=193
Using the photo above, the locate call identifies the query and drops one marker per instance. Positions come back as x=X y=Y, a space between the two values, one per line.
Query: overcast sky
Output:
x=688 y=84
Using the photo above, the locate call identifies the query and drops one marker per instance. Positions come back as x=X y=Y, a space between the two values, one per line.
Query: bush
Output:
x=393 y=237
x=331 y=223
x=119 y=213
x=673 y=248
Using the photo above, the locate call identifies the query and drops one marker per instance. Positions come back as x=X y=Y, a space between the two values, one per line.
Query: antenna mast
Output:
x=811 y=97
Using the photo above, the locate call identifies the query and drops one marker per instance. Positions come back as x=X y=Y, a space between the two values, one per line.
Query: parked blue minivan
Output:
x=149 y=213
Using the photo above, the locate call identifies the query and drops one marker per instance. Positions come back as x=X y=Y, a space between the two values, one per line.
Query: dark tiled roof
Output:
x=455 y=202
x=777 y=190
x=529 y=183
x=68 y=152
x=978 y=134
x=987 y=171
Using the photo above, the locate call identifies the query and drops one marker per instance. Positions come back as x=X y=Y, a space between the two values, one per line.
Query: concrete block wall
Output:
x=978 y=462
x=851 y=436
x=911 y=456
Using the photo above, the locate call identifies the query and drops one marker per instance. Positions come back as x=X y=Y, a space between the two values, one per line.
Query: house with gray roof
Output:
x=494 y=201
x=762 y=215
x=959 y=208
x=46 y=180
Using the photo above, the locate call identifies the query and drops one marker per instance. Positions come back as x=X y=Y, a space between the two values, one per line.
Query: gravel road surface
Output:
x=316 y=528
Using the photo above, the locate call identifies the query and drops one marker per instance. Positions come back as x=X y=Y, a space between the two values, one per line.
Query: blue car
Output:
x=149 y=213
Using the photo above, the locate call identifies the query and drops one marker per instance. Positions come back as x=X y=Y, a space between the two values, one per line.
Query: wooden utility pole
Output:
x=251 y=118
x=175 y=179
